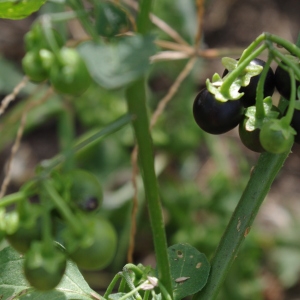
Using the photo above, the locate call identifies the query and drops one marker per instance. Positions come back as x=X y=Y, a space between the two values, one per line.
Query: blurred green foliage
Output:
x=199 y=185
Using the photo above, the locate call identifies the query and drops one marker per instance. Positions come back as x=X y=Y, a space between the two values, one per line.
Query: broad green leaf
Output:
x=189 y=270
x=118 y=64
x=13 y=284
x=19 y=9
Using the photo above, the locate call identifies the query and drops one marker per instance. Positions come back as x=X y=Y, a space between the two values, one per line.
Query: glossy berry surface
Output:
x=248 y=99
x=86 y=191
x=283 y=82
x=216 y=117
x=250 y=139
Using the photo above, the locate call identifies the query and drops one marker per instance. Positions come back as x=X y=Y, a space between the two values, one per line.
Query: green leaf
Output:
x=189 y=269
x=13 y=284
x=116 y=65
x=19 y=9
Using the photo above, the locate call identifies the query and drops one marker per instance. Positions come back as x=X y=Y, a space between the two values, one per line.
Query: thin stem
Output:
x=260 y=112
x=81 y=143
x=77 y=5
x=292 y=48
x=62 y=206
x=290 y=112
x=285 y=60
x=164 y=292
x=112 y=285
x=146 y=295
x=136 y=101
x=46 y=25
x=134 y=290
x=47 y=230
x=66 y=134
x=12 y=198
x=122 y=286
x=239 y=226
x=134 y=269
x=249 y=50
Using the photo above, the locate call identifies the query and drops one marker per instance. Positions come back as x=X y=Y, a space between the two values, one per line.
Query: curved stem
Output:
x=239 y=226
x=290 y=111
x=292 y=48
x=260 y=112
x=112 y=285
x=251 y=48
x=285 y=60
x=134 y=269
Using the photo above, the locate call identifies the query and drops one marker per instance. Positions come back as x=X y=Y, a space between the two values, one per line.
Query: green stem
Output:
x=136 y=101
x=290 y=111
x=285 y=60
x=47 y=231
x=146 y=295
x=112 y=285
x=65 y=16
x=77 y=5
x=66 y=134
x=122 y=286
x=46 y=25
x=62 y=207
x=250 y=49
x=143 y=19
x=260 y=111
x=81 y=143
x=136 y=270
x=292 y=48
x=12 y=198
x=134 y=290
x=239 y=226
x=164 y=292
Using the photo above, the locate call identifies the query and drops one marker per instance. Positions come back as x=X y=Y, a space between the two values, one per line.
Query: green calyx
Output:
x=242 y=79
x=253 y=121
x=277 y=136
